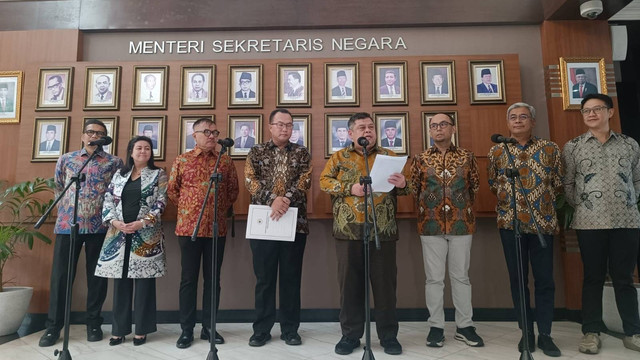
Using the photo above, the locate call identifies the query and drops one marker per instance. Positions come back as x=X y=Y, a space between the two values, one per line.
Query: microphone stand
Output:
x=215 y=178
x=366 y=181
x=76 y=179
x=513 y=174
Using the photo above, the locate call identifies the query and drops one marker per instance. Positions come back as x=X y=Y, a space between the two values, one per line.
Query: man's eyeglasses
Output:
x=521 y=117
x=208 y=132
x=283 y=125
x=97 y=133
x=53 y=86
x=596 y=110
x=441 y=125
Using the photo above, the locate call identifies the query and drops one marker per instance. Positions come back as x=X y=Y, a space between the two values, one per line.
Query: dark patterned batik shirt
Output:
x=539 y=164
x=602 y=181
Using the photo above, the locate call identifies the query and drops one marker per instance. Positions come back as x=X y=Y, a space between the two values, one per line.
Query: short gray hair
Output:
x=532 y=110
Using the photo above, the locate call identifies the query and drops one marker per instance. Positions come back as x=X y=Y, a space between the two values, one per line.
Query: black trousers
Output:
x=542 y=266
x=384 y=282
x=617 y=251
x=269 y=258
x=191 y=254
x=97 y=286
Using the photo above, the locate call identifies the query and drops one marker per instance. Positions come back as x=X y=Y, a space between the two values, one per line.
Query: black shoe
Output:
x=532 y=342
x=259 y=339
x=185 y=339
x=545 y=343
x=469 y=336
x=391 y=346
x=94 y=333
x=139 y=341
x=435 y=337
x=116 y=341
x=205 y=334
x=49 y=338
x=346 y=345
x=291 y=338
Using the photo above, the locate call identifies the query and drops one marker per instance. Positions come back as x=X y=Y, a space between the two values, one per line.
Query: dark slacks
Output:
x=542 y=266
x=97 y=286
x=191 y=254
x=617 y=251
x=269 y=258
x=144 y=301
x=383 y=278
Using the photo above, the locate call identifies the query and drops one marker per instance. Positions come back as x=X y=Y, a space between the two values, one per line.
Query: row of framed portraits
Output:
x=50 y=135
x=245 y=85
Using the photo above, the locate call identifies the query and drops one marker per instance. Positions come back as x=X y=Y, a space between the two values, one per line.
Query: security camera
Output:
x=591 y=9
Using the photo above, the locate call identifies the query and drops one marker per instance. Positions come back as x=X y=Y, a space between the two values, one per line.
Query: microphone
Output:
x=105 y=140
x=228 y=142
x=497 y=138
x=362 y=141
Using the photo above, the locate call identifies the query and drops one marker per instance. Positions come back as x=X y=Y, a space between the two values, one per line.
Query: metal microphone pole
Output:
x=215 y=178
x=79 y=177
x=366 y=181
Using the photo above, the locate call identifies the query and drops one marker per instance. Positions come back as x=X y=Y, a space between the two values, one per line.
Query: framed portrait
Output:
x=426 y=131
x=187 y=142
x=197 y=89
x=486 y=82
x=54 y=88
x=294 y=85
x=393 y=130
x=390 y=83
x=438 y=82
x=111 y=122
x=301 y=133
x=152 y=127
x=580 y=77
x=10 y=96
x=245 y=86
x=341 y=84
x=336 y=133
x=50 y=138
x=150 y=87
x=246 y=131
x=102 y=88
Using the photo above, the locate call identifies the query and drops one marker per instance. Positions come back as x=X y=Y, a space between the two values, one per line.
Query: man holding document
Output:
x=278 y=174
x=341 y=179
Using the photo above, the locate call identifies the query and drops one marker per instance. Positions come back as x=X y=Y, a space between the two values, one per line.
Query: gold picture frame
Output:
x=154 y=128
x=50 y=138
x=54 y=88
x=245 y=86
x=248 y=126
x=390 y=83
x=336 y=130
x=576 y=72
x=341 y=84
x=10 y=96
x=438 y=82
x=197 y=90
x=294 y=85
x=150 y=87
x=486 y=82
x=393 y=131
x=102 y=88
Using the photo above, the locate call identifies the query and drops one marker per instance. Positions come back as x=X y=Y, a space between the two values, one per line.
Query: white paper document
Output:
x=383 y=167
x=260 y=226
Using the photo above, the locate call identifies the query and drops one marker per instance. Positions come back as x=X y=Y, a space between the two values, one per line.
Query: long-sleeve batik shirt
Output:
x=445 y=187
x=341 y=172
x=188 y=185
x=271 y=171
x=539 y=164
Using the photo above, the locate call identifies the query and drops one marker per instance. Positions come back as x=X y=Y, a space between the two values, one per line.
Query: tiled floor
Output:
x=318 y=340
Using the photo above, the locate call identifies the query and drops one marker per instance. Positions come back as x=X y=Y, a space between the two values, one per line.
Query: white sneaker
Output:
x=590 y=344
x=632 y=342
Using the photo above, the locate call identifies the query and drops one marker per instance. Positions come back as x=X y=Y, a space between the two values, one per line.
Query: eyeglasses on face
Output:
x=208 y=132
x=283 y=125
x=53 y=86
x=96 y=133
x=521 y=117
x=441 y=125
x=596 y=110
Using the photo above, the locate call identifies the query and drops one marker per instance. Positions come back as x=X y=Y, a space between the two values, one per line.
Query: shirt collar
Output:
x=271 y=145
x=434 y=149
x=197 y=151
x=98 y=151
x=589 y=135
x=352 y=147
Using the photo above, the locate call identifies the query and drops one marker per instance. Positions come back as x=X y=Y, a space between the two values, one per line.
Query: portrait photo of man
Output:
x=245 y=140
x=6 y=99
x=438 y=85
x=149 y=93
x=391 y=88
x=582 y=87
x=391 y=138
x=55 y=93
x=148 y=131
x=341 y=90
x=103 y=92
x=294 y=88
x=50 y=144
x=246 y=83
x=486 y=86
x=297 y=133
x=198 y=92
x=340 y=135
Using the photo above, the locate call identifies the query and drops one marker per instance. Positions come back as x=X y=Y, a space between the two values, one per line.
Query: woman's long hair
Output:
x=129 y=164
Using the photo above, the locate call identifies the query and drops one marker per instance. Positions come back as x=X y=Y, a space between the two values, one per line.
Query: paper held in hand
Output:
x=261 y=227
x=383 y=168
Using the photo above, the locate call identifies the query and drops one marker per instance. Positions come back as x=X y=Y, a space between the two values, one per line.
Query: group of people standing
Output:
x=120 y=206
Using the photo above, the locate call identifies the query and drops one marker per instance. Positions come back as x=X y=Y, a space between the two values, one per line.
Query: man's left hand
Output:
x=398 y=180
